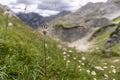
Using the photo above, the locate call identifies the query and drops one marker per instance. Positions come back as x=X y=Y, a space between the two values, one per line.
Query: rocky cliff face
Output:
x=69 y=34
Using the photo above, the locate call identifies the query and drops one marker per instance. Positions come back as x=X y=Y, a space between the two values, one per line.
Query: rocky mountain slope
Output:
x=90 y=11
x=88 y=20
x=35 y=20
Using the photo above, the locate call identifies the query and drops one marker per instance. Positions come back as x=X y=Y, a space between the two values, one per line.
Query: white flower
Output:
x=114 y=70
x=93 y=73
x=114 y=79
x=79 y=61
x=105 y=63
x=94 y=79
x=105 y=67
x=68 y=55
x=82 y=64
x=80 y=69
x=68 y=61
x=112 y=66
x=70 y=51
x=48 y=57
x=88 y=71
x=106 y=75
x=46 y=45
x=99 y=68
x=10 y=24
x=64 y=53
x=78 y=66
x=64 y=49
x=65 y=58
x=74 y=58
x=83 y=58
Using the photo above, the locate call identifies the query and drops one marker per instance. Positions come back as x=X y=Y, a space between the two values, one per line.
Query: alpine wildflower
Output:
x=93 y=73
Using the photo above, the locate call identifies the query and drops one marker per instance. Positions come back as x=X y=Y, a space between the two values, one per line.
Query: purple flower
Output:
x=106 y=78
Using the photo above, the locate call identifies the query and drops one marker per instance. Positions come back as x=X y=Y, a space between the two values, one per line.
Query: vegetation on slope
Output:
x=103 y=34
x=22 y=57
x=107 y=40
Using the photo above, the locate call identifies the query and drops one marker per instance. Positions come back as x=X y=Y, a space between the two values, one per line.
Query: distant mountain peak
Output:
x=35 y=20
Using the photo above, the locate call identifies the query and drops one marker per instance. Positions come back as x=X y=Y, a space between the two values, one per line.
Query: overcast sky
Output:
x=46 y=7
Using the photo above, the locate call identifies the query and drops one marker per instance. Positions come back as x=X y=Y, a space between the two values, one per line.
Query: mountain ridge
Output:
x=35 y=20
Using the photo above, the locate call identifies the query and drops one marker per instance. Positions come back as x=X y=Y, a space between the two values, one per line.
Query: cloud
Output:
x=28 y=2
x=46 y=7
x=58 y=5
x=7 y=2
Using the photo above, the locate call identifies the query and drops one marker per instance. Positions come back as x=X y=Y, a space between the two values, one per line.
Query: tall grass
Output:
x=26 y=56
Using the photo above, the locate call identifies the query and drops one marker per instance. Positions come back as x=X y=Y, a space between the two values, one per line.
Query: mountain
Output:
x=34 y=19
x=89 y=28
x=89 y=11
x=27 y=55
x=88 y=18
x=61 y=14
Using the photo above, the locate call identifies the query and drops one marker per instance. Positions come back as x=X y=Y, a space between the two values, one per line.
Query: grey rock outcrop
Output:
x=69 y=34
x=114 y=37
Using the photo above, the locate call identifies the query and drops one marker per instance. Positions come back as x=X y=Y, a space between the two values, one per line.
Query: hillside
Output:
x=108 y=36
x=22 y=56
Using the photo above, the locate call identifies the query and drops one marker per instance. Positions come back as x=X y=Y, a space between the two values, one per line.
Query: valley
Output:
x=80 y=45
